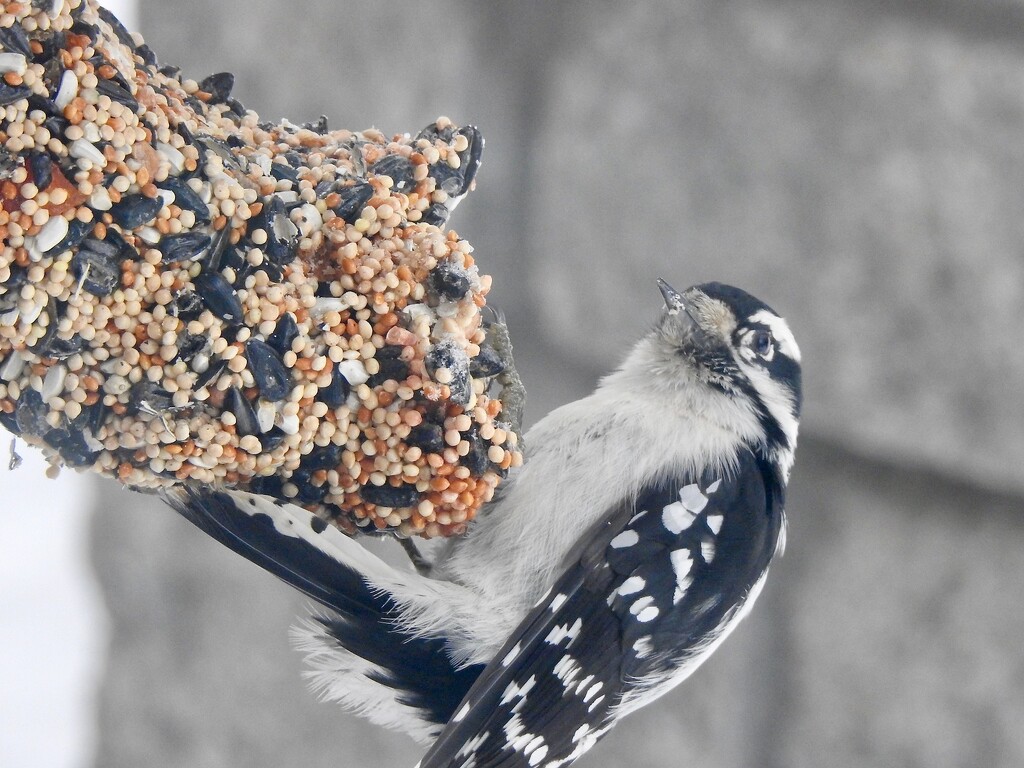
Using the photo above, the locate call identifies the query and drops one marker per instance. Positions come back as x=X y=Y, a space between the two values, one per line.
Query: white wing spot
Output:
x=625 y=539
x=713 y=487
x=707 y=551
x=557 y=601
x=594 y=703
x=681 y=564
x=715 y=523
x=677 y=518
x=563 y=631
x=471 y=746
x=535 y=743
x=647 y=614
x=641 y=604
x=543 y=599
x=516 y=691
x=516 y=738
x=680 y=592
x=584 y=683
x=592 y=691
x=461 y=713
x=632 y=585
x=511 y=656
x=642 y=647
x=581 y=733
x=692 y=498
x=539 y=754
x=637 y=516
x=566 y=670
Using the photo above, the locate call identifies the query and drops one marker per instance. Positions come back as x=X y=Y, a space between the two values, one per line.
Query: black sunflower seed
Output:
x=42 y=169
x=353 y=200
x=12 y=93
x=399 y=169
x=145 y=53
x=135 y=210
x=77 y=232
x=125 y=250
x=214 y=370
x=115 y=24
x=273 y=220
x=308 y=492
x=72 y=446
x=53 y=346
x=117 y=92
x=245 y=417
x=455 y=181
x=488 y=363
x=91 y=417
x=30 y=413
x=268 y=371
x=147 y=397
x=9 y=421
x=390 y=369
x=446 y=354
x=272 y=439
x=218 y=294
x=183 y=247
x=56 y=125
x=187 y=305
x=98 y=266
x=389 y=496
x=81 y=27
x=284 y=333
x=218 y=85
x=328 y=457
x=238 y=110
x=284 y=172
x=449 y=281
x=14 y=39
x=187 y=198
x=336 y=393
x=475 y=460
x=190 y=345
x=427 y=437
x=471 y=156
x=317 y=126
x=437 y=214
x=9 y=163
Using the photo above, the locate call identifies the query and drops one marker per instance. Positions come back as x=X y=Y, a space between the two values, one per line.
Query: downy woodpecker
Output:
x=605 y=571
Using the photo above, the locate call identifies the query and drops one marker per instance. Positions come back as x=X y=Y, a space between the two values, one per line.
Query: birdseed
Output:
x=189 y=295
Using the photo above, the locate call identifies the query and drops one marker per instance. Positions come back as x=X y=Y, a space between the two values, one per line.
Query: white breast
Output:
x=582 y=461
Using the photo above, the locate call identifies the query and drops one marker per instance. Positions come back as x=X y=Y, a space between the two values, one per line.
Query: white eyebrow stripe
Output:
x=781 y=332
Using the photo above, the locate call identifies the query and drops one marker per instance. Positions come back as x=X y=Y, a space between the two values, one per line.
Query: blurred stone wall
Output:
x=859 y=165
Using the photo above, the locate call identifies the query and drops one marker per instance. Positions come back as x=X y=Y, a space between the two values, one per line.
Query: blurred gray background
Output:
x=859 y=165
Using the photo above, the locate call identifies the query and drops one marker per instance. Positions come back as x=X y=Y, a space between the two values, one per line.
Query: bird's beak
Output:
x=673 y=300
x=685 y=320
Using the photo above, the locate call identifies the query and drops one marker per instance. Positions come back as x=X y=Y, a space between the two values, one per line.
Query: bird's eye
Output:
x=762 y=343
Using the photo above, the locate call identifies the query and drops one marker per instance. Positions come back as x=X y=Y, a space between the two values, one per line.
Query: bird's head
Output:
x=729 y=356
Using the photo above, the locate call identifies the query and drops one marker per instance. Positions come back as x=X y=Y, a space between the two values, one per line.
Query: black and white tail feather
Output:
x=636 y=536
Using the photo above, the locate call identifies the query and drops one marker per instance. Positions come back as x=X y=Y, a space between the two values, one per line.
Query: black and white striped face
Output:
x=738 y=345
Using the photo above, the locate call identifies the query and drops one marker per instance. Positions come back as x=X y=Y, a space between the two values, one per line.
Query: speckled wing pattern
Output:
x=640 y=606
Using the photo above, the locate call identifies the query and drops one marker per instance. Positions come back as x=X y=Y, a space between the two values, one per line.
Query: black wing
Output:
x=635 y=612
x=303 y=551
